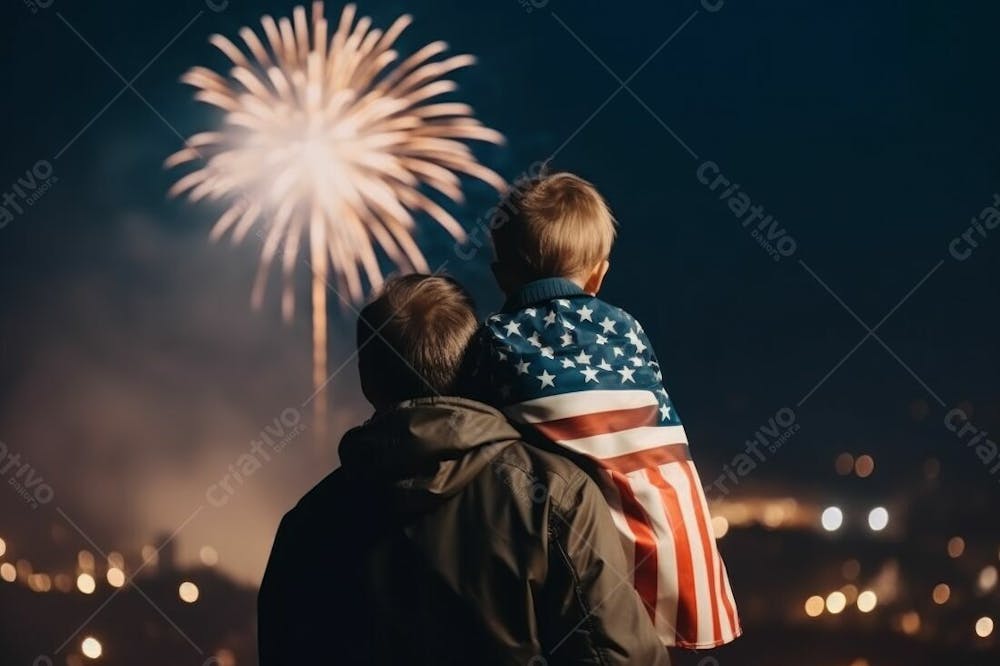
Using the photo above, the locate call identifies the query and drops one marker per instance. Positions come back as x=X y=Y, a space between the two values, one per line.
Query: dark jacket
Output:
x=444 y=539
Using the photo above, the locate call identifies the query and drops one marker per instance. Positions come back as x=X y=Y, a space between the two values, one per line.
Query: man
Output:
x=443 y=538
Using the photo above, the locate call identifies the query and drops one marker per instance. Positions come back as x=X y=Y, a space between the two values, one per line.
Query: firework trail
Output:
x=331 y=142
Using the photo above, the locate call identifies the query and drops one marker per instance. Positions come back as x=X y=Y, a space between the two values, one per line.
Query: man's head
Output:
x=412 y=339
x=554 y=225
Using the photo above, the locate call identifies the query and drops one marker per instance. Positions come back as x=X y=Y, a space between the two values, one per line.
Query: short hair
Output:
x=412 y=338
x=552 y=225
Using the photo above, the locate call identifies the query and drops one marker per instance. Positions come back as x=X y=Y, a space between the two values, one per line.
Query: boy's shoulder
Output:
x=569 y=312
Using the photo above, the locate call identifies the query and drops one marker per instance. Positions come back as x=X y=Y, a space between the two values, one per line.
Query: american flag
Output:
x=583 y=374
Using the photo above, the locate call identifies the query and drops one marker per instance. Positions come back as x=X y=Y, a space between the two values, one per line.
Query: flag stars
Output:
x=636 y=362
x=590 y=375
x=604 y=365
x=522 y=367
x=513 y=328
x=531 y=312
x=585 y=313
x=618 y=351
x=665 y=412
x=533 y=340
x=567 y=339
x=582 y=358
x=547 y=379
x=608 y=325
x=626 y=373
x=568 y=363
x=567 y=325
x=601 y=340
x=666 y=396
x=563 y=302
x=634 y=339
x=550 y=318
x=546 y=352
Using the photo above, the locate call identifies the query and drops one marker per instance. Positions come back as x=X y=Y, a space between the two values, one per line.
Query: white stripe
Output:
x=676 y=477
x=648 y=495
x=565 y=405
x=626 y=441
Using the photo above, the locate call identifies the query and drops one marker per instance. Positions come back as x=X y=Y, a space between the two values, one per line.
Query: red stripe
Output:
x=687 y=613
x=599 y=423
x=644 y=560
x=707 y=543
x=648 y=458
x=734 y=622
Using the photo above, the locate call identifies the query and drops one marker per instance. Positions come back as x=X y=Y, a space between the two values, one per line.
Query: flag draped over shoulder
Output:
x=583 y=374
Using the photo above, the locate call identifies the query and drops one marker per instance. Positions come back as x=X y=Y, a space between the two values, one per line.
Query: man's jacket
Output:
x=444 y=539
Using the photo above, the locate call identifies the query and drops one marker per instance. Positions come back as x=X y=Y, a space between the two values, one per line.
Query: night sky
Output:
x=133 y=370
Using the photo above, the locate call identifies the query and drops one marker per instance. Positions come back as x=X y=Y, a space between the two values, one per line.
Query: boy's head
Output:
x=412 y=339
x=553 y=225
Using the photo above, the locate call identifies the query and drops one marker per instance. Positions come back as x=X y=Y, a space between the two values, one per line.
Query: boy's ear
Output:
x=593 y=283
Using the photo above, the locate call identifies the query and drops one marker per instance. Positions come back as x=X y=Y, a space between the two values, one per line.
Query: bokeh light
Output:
x=720 y=526
x=844 y=464
x=116 y=577
x=836 y=602
x=188 y=592
x=864 y=466
x=910 y=622
x=956 y=546
x=987 y=578
x=3 y=547
x=8 y=572
x=814 y=606
x=878 y=518
x=867 y=601
x=984 y=627
x=941 y=594
x=86 y=583
x=209 y=556
x=832 y=518
x=91 y=647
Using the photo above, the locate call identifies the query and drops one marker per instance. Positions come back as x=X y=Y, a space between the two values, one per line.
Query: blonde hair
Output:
x=554 y=225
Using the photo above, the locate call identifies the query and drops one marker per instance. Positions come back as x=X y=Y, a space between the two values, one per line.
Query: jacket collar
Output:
x=427 y=448
x=546 y=289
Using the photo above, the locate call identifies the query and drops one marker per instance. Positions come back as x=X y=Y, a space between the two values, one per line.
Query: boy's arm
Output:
x=598 y=617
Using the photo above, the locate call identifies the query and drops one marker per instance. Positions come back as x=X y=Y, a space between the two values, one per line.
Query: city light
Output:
x=864 y=466
x=956 y=546
x=844 y=464
x=814 y=606
x=116 y=577
x=878 y=518
x=188 y=592
x=8 y=572
x=91 y=647
x=910 y=623
x=86 y=583
x=984 y=627
x=209 y=556
x=720 y=526
x=987 y=578
x=832 y=518
x=941 y=594
x=867 y=601
x=3 y=547
x=836 y=602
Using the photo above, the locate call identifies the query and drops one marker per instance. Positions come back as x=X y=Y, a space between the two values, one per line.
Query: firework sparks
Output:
x=328 y=141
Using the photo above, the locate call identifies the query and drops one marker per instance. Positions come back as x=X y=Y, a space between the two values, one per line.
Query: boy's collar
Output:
x=546 y=289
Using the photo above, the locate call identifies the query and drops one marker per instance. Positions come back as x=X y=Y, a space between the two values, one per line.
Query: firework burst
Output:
x=331 y=142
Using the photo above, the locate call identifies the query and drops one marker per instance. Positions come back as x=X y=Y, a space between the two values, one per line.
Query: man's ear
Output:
x=593 y=283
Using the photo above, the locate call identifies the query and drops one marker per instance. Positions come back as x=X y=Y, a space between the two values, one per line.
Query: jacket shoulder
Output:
x=536 y=474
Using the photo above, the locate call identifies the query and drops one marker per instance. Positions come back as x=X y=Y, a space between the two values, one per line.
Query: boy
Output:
x=582 y=374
